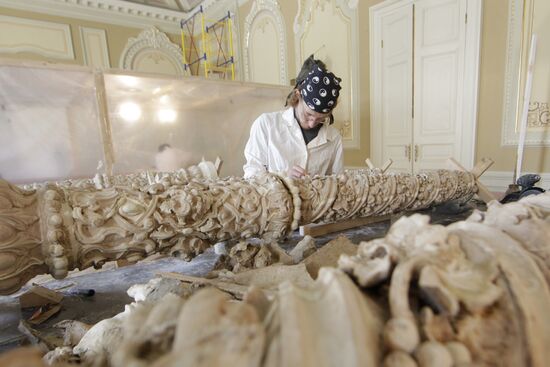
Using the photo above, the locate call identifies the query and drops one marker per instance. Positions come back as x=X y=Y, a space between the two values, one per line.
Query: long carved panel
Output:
x=57 y=228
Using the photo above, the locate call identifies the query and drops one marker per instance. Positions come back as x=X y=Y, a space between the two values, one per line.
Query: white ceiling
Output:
x=177 y=5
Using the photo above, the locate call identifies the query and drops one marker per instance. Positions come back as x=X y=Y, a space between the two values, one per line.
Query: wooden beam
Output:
x=315 y=230
x=218 y=165
x=482 y=191
x=384 y=168
x=386 y=165
x=482 y=166
x=369 y=164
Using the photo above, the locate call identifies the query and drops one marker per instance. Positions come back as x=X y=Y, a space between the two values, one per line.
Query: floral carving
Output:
x=20 y=240
x=87 y=222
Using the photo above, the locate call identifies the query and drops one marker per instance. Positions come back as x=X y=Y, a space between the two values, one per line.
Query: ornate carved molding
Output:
x=539 y=115
x=494 y=263
x=153 y=40
x=271 y=10
x=118 y=12
x=82 y=226
x=439 y=296
x=21 y=255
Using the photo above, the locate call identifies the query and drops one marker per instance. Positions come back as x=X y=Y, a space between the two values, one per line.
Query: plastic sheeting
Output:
x=48 y=124
x=196 y=117
x=51 y=122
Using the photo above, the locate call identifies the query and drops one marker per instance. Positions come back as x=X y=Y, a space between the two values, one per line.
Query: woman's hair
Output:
x=293 y=98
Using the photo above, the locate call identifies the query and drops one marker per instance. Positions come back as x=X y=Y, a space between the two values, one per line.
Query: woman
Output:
x=299 y=140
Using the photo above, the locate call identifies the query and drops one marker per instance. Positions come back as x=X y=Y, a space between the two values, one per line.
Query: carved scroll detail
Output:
x=20 y=241
x=487 y=277
x=135 y=216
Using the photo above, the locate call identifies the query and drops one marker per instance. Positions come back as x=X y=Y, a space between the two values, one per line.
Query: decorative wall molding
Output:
x=42 y=38
x=152 y=40
x=540 y=136
x=539 y=115
x=94 y=47
x=348 y=15
x=117 y=12
x=262 y=9
x=511 y=74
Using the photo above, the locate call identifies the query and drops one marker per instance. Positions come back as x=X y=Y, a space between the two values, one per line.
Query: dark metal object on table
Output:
x=81 y=292
x=525 y=186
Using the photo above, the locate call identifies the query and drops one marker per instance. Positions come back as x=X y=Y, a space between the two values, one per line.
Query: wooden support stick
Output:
x=369 y=164
x=384 y=168
x=482 y=166
x=316 y=230
x=482 y=191
x=386 y=165
x=218 y=165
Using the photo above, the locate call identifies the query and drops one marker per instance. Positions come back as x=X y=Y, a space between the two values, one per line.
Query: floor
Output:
x=110 y=285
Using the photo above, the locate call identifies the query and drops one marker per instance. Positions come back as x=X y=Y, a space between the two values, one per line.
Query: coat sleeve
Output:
x=256 y=148
x=337 y=166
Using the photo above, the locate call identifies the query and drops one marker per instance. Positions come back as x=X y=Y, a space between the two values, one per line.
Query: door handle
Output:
x=416 y=152
x=408 y=152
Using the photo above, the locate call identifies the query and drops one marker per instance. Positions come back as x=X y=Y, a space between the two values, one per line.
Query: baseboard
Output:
x=497 y=181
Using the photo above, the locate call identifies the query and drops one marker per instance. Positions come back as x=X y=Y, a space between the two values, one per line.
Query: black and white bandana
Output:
x=320 y=90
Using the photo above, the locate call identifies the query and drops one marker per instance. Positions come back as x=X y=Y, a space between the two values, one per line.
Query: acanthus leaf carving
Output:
x=132 y=217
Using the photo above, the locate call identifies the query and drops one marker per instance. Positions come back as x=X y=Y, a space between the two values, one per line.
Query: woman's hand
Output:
x=296 y=172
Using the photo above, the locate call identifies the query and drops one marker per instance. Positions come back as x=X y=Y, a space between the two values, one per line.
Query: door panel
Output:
x=396 y=75
x=439 y=71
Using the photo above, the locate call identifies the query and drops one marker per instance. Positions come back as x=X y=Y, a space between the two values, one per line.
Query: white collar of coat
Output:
x=326 y=132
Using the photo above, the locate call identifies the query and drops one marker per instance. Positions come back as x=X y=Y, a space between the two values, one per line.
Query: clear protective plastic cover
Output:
x=49 y=124
x=58 y=123
x=161 y=123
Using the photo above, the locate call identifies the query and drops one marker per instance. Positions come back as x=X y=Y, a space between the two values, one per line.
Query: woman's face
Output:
x=308 y=118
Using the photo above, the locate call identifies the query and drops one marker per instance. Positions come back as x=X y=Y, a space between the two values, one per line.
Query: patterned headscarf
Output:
x=320 y=90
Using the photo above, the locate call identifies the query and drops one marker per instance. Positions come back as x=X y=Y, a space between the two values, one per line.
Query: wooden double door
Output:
x=424 y=81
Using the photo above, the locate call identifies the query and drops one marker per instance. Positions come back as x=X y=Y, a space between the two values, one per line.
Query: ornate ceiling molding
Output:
x=272 y=10
x=151 y=39
x=117 y=12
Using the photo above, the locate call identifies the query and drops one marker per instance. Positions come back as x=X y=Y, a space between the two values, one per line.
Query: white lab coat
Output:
x=276 y=144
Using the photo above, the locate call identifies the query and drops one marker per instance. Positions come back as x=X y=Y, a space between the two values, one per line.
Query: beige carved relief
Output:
x=469 y=294
x=20 y=239
x=133 y=217
x=483 y=286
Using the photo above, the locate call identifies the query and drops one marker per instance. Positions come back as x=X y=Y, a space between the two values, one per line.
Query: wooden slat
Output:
x=315 y=230
x=482 y=191
x=384 y=168
x=387 y=165
x=369 y=164
x=482 y=166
